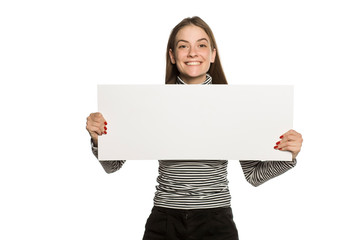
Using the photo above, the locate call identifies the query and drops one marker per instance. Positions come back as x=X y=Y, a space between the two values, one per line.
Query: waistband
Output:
x=190 y=211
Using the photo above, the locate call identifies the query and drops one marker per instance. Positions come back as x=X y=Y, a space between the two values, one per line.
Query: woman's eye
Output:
x=202 y=45
x=182 y=46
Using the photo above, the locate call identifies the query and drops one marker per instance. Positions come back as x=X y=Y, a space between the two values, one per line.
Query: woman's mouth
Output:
x=192 y=63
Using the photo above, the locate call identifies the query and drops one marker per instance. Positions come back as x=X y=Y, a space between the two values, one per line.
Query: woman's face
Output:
x=192 y=54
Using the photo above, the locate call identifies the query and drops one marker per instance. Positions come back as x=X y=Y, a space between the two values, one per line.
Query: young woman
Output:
x=192 y=200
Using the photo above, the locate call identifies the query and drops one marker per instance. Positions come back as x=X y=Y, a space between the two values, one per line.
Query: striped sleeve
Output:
x=109 y=166
x=258 y=172
x=112 y=166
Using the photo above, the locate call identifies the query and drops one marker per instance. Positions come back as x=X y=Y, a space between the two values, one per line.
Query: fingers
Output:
x=93 y=129
x=291 y=135
x=96 y=125
x=290 y=141
x=97 y=117
x=288 y=146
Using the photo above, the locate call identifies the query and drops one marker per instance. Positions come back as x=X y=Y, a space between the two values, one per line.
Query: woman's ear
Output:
x=172 y=57
x=213 y=55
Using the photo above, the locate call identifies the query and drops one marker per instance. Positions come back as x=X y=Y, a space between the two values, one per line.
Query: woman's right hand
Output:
x=96 y=126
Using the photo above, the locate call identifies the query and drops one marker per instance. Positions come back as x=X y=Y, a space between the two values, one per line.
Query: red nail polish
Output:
x=275 y=147
x=105 y=123
x=105 y=132
x=280 y=148
x=281 y=136
x=105 y=128
x=278 y=143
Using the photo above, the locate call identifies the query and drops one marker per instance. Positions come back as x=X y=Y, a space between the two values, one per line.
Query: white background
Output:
x=54 y=53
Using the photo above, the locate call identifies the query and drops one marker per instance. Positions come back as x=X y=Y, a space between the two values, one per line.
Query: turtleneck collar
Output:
x=207 y=81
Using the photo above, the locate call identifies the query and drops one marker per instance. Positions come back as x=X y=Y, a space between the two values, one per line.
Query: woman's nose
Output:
x=192 y=52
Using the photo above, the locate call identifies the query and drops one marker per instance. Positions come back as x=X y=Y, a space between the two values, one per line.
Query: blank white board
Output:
x=173 y=122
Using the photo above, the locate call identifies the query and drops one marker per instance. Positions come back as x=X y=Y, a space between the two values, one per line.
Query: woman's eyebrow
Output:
x=181 y=40
x=201 y=39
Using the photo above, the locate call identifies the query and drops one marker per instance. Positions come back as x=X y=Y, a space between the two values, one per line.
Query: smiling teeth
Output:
x=193 y=63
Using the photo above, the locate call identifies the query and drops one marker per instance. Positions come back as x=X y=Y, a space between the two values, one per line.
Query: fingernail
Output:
x=275 y=147
x=105 y=123
x=281 y=136
x=105 y=132
x=105 y=128
x=278 y=143
x=280 y=148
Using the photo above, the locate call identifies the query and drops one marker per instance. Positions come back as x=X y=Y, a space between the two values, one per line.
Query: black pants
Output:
x=198 y=224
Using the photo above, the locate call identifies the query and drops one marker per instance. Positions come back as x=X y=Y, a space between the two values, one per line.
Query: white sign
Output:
x=173 y=122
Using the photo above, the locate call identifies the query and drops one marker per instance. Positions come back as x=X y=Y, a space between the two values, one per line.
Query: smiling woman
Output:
x=192 y=43
x=192 y=200
x=193 y=54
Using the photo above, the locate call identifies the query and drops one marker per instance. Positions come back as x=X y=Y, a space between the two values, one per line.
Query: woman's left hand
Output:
x=291 y=141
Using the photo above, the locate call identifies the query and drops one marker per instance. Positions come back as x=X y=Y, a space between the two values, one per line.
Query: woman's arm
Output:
x=109 y=166
x=96 y=125
x=258 y=172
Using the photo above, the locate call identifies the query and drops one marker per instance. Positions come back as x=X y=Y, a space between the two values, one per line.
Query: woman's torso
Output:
x=192 y=184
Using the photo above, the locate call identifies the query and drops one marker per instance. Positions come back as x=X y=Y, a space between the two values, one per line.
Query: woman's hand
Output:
x=291 y=141
x=96 y=125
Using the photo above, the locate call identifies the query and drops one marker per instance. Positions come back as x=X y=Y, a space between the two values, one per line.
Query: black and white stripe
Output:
x=187 y=184
x=191 y=184
x=207 y=81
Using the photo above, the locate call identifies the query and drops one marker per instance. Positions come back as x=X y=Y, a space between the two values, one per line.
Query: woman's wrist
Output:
x=94 y=142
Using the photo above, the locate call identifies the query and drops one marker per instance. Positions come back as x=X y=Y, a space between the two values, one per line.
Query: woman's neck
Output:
x=196 y=80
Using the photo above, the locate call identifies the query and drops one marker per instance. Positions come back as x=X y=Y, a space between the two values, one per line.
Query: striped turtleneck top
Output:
x=207 y=81
x=200 y=184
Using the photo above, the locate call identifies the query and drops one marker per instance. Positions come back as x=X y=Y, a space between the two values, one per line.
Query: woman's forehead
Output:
x=191 y=33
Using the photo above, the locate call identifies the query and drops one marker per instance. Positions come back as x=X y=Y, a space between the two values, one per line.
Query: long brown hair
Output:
x=215 y=71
